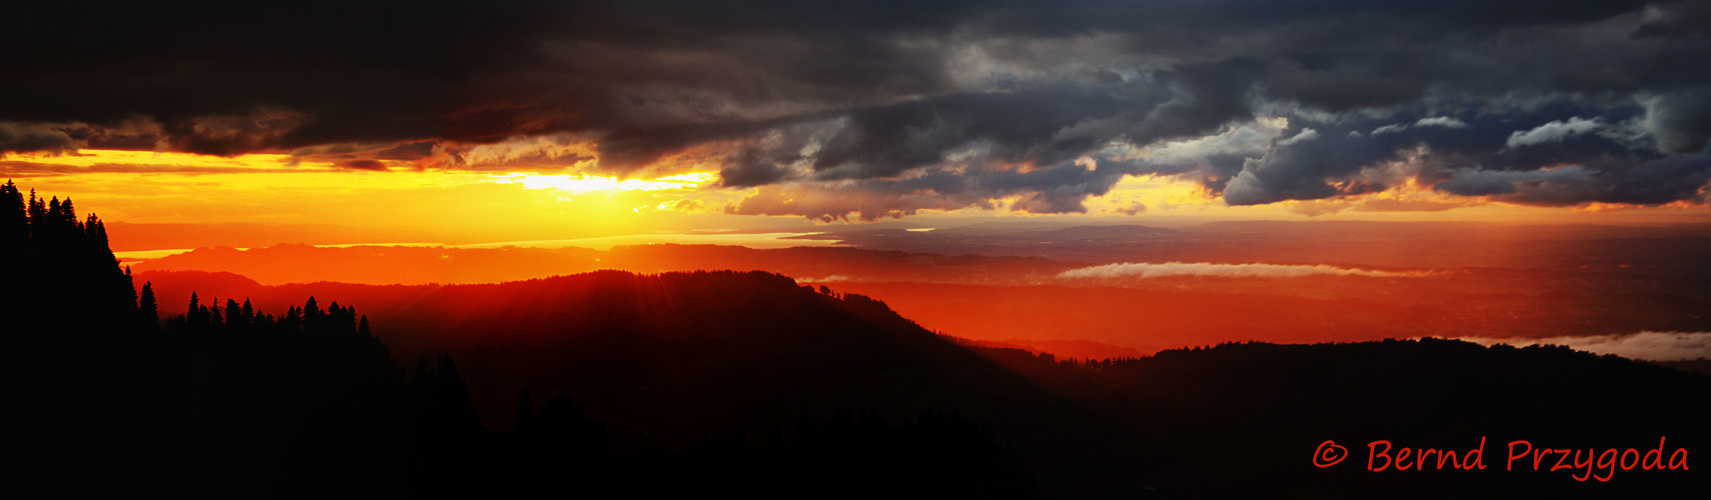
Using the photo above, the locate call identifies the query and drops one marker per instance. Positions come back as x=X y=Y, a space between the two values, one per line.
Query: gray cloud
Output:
x=1144 y=270
x=1610 y=180
x=1440 y=121
x=1306 y=134
x=1057 y=189
x=25 y=138
x=1680 y=121
x=877 y=103
x=1488 y=182
x=1553 y=132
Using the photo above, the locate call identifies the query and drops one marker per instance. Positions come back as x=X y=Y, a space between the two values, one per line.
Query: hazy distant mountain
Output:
x=414 y=265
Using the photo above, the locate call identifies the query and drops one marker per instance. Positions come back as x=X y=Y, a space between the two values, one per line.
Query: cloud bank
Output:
x=861 y=109
x=1650 y=346
x=1146 y=270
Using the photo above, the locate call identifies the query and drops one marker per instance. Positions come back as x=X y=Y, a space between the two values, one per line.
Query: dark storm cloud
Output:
x=1342 y=92
x=1020 y=126
x=1677 y=20
x=888 y=102
x=21 y=138
x=1565 y=160
x=1609 y=180
x=763 y=162
x=1681 y=120
x=1312 y=163
x=1488 y=182
x=1058 y=189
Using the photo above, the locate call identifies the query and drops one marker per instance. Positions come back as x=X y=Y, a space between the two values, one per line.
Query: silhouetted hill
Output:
x=678 y=356
x=1077 y=348
x=682 y=355
x=219 y=402
x=1164 y=313
x=557 y=329
x=229 y=400
x=728 y=383
x=686 y=350
x=1700 y=365
x=1244 y=420
x=59 y=268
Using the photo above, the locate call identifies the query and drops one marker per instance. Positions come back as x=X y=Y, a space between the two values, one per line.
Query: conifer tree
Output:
x=311 y=315
x=193 y=315
x=38 y=212
x=14 y=223
x=216 y=324
x=147 y=309
x=235 y=322
x=130 y=285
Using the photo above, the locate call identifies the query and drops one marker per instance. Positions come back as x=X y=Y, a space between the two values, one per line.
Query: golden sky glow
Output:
x=466 y=206
x=582 y=184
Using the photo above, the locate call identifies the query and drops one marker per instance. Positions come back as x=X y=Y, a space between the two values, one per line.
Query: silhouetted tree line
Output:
x=241 y=319
x=235 y=400
x=231 y=401
x=1100 y=364
x=1241 y=419
x=59 y=266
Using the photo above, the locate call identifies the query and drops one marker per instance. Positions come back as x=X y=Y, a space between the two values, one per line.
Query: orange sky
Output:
x=405 y=205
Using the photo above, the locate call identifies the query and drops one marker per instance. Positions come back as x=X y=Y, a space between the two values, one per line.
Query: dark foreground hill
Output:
x=748 y=385
x=698 y=384
x=678 y=356
x=719 y=346
x=1247 y=420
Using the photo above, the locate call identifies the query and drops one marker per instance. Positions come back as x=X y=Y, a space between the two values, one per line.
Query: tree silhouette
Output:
x=67 y=264
x=148 y=311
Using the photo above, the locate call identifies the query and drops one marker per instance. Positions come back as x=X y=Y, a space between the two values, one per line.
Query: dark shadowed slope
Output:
x=697 y=349
x=693 y=383
x=679 y=356
x=1244 y=420
x=120 y=398
x=611 y=333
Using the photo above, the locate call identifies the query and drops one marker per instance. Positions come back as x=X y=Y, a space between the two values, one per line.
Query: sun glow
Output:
x=580 y=184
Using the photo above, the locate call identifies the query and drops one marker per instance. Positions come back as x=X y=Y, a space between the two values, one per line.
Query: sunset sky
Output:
x=858 y=248
x=470 y=122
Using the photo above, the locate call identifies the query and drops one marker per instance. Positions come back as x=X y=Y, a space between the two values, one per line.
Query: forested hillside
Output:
x=620 y=384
